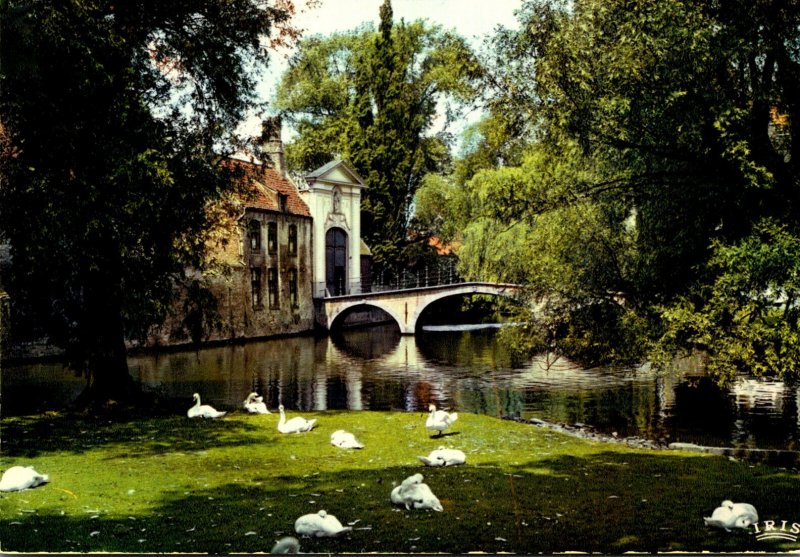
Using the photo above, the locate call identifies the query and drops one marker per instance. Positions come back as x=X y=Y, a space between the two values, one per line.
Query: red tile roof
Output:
x=265 y=185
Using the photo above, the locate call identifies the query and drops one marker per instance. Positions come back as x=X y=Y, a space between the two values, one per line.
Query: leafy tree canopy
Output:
x=658 y=138
x=374 y=99
x=115 y=114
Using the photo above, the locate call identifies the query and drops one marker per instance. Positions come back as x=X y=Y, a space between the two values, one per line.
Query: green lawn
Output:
x=171 y=484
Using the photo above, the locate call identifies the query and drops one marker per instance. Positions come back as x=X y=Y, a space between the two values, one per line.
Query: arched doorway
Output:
x=336 y=261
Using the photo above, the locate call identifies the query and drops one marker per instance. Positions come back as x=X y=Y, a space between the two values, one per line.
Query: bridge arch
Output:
x=427 y=301
x=336 y=319
x=405 y=306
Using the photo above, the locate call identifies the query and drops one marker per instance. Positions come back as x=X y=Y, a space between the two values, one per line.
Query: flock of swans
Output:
x=411 y=492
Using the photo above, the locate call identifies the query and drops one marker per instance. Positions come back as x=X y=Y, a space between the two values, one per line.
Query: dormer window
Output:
x=283 y=202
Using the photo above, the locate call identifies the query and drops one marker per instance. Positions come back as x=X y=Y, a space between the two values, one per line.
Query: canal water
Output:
x=462 y=368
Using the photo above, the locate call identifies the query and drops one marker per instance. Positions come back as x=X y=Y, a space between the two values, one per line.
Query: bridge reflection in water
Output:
x=469 y=371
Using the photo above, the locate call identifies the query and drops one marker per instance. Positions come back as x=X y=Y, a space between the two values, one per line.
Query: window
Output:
x=293 y=287
x=272 y=286
x=254 y=235
x=283 y=201
x=272 y=237
x=292 y=239
x=255 y=287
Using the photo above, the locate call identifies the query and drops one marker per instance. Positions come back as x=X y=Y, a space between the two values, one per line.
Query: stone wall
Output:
x=240 y=316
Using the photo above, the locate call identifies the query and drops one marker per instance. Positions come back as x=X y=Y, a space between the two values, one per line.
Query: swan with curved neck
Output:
x=345 y=440
x=203 y=410
x=732 y=515
x=439 y=420
x=18 y=478
x=295 y=425
x=415 y=495
x=444 y=457
x=320 y=525
x=255 y=404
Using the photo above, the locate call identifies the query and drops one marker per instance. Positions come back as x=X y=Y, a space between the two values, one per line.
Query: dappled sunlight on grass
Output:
x=236 y=485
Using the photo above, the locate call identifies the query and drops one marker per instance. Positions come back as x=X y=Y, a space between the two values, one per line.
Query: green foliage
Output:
x=640 y=137
x=117 y=114
x=373 y=99
x=747 y=318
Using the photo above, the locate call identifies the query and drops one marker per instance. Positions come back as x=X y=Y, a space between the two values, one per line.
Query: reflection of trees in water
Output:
x=367 y=342
x=379 y=369
x=498 y=402
x=701 y=402
x=463 y=348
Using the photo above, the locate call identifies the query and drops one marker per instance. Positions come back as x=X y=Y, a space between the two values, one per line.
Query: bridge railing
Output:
x=387 y=282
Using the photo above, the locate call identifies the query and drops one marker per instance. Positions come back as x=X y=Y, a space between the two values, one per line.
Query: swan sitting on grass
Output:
x=255 y=404
x=444 y=457
x=295 y=425
x=345 y=440
x=18 y=478
x=415 y=495
x=732 y=515
x=204 y=410
x=320 y=525
x=439 y=420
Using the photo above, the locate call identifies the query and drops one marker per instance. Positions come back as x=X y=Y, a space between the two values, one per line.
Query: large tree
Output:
x=661 y=143
x=374 y=98
x=117 y=114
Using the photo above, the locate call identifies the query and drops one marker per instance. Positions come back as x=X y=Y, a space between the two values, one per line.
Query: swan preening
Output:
x=444 y=457
x=295 y=425
x=320 y=525
x=287 y=544
x=439 y=420
x=415 y=495
x=345 y=440
x=255 y=404
x=18 y=478
x=203 y=411
x=732 y=515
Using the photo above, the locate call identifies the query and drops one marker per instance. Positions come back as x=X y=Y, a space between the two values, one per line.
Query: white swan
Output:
x=320 y=525
x=18 y=478
x=397 y=494
x=444 y=457
x=421 y=497
x=415 y=495
x=745 y=510
x=287 y=544
x=255 y=404
x=295 y=425
x=203 y=411
x=345 y=440
x=732 y=515
x=439 y=420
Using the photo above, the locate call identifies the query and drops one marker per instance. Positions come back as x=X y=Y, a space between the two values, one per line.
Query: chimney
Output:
x=272 y=144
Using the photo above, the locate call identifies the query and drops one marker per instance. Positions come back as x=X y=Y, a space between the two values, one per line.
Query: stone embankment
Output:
x=772 y=457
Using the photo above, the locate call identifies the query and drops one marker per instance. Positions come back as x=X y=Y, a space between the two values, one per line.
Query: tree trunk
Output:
x=104 y=351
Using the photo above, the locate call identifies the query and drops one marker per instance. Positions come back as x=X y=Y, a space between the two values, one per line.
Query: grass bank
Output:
x=170 y=484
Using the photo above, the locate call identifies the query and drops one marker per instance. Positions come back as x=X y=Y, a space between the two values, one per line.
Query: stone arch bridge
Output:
x=404 y=306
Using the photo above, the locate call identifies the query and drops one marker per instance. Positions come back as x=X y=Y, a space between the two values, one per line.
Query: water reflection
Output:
x=465 y=370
